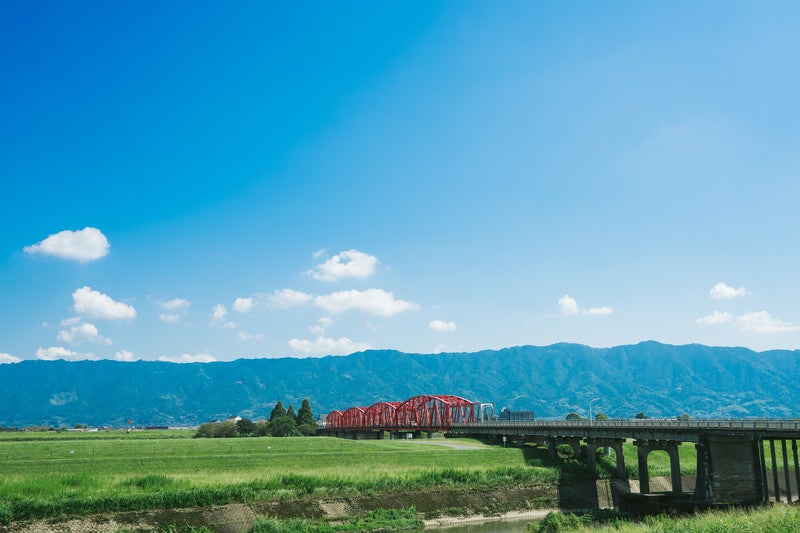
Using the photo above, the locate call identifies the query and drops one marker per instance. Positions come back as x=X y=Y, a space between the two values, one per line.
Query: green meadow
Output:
x=49 y=474
x=68 y=474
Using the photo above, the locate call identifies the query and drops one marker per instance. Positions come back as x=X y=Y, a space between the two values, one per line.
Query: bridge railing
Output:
x=733 y=423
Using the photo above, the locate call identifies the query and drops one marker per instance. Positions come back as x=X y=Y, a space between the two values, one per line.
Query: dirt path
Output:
x=449 y=444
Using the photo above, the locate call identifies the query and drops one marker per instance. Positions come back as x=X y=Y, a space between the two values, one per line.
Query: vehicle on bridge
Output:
x=516 y=416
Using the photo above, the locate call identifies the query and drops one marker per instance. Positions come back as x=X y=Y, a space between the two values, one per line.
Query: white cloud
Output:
x=125 y=355
x=249 y=337
x=762 y=323
x=373 y=301
x=175 y=304
x=721 y=291
x=84 y=245
x=218 y=317
x=327 y=346
x=321 y=325
x=7 y=358
x=98 y=305
x=569 y=307
x=441 y=325
x=79 y=332
x=716 y=318
x=346 y=264
x=188 y=358
x=57 y=352
x=178 y=308
x=243 y=305
x=286 y=298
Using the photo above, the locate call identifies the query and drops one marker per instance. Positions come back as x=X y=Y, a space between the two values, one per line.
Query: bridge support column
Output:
x=614 y=444
x=775 y=477
x=786 y=472
x=703 y=492
x=796 y=467
x=644 y=447
x=551 y=448
x=736 y=469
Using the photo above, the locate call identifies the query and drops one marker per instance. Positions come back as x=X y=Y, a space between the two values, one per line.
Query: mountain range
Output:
x=660 y=380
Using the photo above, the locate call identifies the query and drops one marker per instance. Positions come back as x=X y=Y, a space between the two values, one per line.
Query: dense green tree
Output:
x=205 y=431
x=290 y=412
x=277 y=411
x=283 y=426
x=640 y=415
x=225 y=430
x=684 y=416
x=601 y=416
x=262 y=428
x=246 y=426
x=307 y=430
x=217 y=430
x=305 y=416
x=573 y=416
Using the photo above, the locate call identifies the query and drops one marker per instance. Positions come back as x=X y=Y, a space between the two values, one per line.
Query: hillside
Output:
x=658 y=379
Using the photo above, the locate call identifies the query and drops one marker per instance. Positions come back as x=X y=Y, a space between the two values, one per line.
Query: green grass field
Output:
x=67 y=474
x=44 y=475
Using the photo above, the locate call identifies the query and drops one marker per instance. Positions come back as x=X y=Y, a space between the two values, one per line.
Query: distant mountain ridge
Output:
x=660 y=380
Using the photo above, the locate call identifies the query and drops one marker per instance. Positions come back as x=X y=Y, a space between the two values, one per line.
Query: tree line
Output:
x=282 y=422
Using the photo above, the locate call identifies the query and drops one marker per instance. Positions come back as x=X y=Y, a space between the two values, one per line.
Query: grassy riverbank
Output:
x=778 y=519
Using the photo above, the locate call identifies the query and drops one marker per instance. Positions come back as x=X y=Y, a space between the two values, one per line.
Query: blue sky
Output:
x=196 y=181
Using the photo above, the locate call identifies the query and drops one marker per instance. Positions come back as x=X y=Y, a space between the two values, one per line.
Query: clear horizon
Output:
x=198 y=182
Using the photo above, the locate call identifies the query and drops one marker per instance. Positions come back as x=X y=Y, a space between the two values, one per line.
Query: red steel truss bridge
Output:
x=426 y=413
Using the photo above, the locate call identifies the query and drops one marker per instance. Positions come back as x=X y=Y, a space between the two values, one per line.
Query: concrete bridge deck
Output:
x=732 y=455
x=645 y=429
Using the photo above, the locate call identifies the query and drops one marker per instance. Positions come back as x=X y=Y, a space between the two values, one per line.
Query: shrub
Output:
x=6 y=514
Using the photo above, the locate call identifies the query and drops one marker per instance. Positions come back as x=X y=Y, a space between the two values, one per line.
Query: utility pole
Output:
x=590 y=410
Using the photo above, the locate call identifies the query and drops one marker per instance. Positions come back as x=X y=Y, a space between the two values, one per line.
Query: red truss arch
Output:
x=382 y=415
x=434 y=413
x=354 y=418
x=334 y=420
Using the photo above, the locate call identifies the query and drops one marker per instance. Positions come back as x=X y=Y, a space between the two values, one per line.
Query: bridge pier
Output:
x=730 y=469
x=775 y=477
x=615 y=444
x=703 y=489
x=644 y=447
